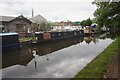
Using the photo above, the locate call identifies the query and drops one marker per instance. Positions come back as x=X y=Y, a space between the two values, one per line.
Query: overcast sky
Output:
x=52 y=10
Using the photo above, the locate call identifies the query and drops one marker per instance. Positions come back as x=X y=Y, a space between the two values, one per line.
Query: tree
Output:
x=87 y=22
x=94 y=20
x=108 y=14
x=82 y=23
x=45 y=26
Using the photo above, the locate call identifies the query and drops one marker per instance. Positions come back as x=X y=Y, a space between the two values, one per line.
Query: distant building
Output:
x=57 y=28
x=68 y=23
x=15 y=24
x=65 y=26
x=36 y=21
x=77 y=23
x=72 y=28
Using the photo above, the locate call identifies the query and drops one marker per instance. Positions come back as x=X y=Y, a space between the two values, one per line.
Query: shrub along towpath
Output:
x=102 y=66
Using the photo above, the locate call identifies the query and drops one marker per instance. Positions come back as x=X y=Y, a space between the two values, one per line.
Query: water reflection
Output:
x=25 y=54
x=57 y=59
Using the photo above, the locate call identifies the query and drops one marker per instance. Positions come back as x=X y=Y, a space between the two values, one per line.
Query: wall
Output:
x=13 y=28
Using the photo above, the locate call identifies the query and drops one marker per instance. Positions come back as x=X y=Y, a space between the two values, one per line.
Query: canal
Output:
x=59 y=59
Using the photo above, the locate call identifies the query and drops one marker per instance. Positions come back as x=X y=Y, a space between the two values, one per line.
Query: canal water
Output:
x=60 y=59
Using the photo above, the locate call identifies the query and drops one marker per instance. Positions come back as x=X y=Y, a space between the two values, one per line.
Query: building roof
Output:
x=22 y=17
x=56 y=24
x=38 y=18
x=6 y=18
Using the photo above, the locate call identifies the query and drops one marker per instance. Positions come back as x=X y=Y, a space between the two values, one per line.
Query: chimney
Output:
x=32 y=13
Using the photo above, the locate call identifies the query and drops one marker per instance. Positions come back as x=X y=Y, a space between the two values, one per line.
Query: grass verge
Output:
x=97 y=67
x=25 y=39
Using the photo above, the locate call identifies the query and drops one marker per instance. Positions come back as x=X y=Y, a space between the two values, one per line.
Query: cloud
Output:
x=54 y=10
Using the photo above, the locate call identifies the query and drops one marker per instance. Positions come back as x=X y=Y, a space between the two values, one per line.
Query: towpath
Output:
x=113 y=69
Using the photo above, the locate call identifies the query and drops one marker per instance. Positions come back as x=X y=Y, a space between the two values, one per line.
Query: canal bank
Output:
x=97 y=68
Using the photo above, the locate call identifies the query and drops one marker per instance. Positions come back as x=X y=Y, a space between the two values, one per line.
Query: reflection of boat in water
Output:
x=16 y=57
x=24 y=55
x=88 y=39
x=51 y=47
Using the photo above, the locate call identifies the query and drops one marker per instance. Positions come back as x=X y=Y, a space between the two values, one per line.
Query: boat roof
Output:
x=6 y=34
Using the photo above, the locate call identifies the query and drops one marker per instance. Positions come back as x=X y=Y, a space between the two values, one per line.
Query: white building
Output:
x=57 y=28
x=66 y=28
x=72 y=28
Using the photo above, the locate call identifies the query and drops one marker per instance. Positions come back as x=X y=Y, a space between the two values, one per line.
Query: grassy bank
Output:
x=25 y=39
x=97 y=67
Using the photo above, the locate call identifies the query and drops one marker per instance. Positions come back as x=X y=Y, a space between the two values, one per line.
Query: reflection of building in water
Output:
x=88 y=39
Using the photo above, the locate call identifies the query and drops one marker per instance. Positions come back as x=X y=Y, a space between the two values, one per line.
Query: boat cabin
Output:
x=9 y=40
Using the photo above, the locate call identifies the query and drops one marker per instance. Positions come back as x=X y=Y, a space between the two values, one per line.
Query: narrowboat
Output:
x=9 y=41
x=88 y=30
x=52 y=36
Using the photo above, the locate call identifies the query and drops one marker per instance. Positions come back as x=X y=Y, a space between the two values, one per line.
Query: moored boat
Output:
x=52 y=36
x=9 y=41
